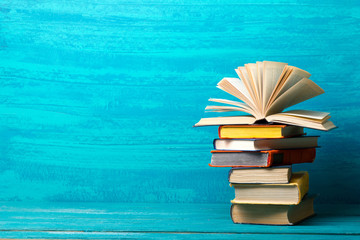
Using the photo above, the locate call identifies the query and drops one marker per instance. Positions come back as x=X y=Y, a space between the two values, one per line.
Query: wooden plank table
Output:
x=22 y=220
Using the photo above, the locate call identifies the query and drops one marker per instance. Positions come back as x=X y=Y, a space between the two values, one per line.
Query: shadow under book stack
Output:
x=260 y=157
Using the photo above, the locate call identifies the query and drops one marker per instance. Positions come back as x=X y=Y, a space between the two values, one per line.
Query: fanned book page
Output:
x=266 y=89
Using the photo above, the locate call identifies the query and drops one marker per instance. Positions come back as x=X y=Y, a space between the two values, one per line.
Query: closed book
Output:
x=259 y=131
x=261 y=158
x=278 y=194
x=279 y=174
x=266 y=143
x=273 y=214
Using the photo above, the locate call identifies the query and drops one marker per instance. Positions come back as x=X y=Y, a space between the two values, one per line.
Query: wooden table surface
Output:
x=163 y=221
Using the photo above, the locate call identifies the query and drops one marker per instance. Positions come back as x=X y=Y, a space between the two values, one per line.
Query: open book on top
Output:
x=266 y=89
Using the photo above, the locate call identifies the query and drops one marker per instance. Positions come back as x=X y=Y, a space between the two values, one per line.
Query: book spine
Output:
x=230 y=172
x=288 y=157
x=303 y=187
x=231 y=213
x=214 y=143
x=300 y=156
x=270 y=160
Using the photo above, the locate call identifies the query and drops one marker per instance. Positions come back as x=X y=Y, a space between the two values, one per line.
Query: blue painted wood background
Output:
x=98 y=97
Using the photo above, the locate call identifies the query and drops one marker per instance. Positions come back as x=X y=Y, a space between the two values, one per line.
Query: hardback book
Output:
x=263 y=159
x=260 y=144
x=266 y=89
x=278 y=194
x=259 y=131
x=273 y=214
x=279 y=174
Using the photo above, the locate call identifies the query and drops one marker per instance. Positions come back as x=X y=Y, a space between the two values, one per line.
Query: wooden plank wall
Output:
x=98 y=97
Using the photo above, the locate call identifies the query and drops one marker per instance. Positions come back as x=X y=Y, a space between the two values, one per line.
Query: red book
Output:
x=261 y=158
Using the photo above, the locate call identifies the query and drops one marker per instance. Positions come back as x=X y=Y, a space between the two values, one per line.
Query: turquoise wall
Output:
x=98 y=97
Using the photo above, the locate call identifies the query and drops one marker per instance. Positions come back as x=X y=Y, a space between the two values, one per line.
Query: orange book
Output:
x=261 y=158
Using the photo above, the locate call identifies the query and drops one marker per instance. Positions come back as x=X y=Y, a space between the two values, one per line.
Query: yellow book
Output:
x=273 y=214
x=278 y=194
x=259 y=131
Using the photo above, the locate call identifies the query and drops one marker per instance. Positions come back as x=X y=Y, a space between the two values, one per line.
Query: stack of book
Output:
x=261 y=147
x=260 y=157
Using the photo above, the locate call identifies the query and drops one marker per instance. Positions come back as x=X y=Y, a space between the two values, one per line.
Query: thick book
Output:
x=277 y=194
x=266 y=89
x=259 y=131
x=262 y=158
x=259 y=144
x=279 y=174
x=273 y=214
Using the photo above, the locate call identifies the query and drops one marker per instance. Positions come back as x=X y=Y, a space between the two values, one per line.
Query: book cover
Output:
x=273 y=214
x=259 y=131
x=278 y=194
x=262 y=158
x=261 y=144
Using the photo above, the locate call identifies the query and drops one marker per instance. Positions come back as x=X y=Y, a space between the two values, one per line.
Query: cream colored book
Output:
x=245 y=175
x=266 y=89
x=277 y=194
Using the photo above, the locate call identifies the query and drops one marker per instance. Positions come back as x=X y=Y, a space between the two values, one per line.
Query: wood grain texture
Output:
x=98 y=98
x=163 y=221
